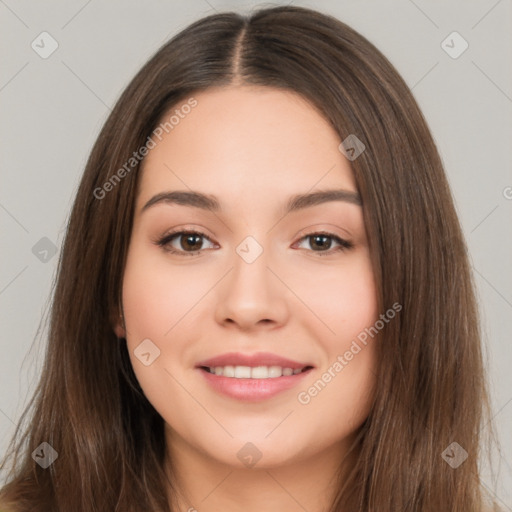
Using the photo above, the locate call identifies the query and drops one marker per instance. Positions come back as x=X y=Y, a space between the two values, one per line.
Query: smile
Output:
x=257 y=372
x=252 y=377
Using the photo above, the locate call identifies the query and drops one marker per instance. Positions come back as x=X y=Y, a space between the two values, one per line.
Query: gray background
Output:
x=52 y=110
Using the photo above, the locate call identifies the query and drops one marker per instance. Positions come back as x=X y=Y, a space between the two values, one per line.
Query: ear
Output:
x=120 y=330
x=117 y=322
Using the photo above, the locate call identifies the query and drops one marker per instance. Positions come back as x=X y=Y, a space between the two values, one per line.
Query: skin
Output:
x=252 y=147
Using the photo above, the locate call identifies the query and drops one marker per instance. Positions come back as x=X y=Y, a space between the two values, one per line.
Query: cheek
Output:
x=342 y=389
x=156 y=295
x=342 y=300
x=156 y=300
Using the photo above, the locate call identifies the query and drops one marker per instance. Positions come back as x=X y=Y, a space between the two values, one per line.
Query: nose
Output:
x=251 y=296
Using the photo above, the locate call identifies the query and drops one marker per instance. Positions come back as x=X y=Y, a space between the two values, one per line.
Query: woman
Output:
x=263 y=300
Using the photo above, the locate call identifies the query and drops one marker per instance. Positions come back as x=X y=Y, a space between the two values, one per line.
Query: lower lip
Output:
x=252 y=390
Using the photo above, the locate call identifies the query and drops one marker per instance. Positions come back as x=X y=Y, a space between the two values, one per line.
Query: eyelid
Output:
x=313 y=228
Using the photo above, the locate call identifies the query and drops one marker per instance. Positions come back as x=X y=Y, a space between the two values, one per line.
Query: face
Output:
x=244 y=317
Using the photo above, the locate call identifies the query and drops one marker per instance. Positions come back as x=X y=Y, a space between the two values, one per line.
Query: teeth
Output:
x=257 y=372
x=242 y=372
x=227 y=371
x=260 y=372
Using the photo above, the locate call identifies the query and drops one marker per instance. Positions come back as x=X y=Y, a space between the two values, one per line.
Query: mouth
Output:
x=254 y=372
x=252 y=377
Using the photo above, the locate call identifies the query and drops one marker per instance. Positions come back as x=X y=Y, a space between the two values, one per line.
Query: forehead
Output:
x=247 y=143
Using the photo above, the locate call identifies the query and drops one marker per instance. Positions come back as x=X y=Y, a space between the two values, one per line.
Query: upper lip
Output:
x=252 y=360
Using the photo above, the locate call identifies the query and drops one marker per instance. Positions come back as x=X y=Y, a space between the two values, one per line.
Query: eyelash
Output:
x=164 y=242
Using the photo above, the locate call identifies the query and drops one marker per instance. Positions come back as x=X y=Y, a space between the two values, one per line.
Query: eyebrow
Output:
x=211 y=203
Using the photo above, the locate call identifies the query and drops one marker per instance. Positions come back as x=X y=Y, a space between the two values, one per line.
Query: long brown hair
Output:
x=431 y=390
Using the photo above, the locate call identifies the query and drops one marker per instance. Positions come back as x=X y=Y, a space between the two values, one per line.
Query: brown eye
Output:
x=183 y=242
x=321 y=243
x=190 y=241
